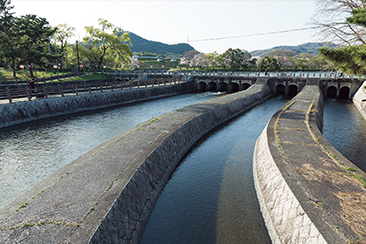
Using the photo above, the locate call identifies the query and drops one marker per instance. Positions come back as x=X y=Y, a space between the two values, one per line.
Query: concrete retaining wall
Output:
x=107 y=195
x=308 y=192
x=360 y=100
x=21 y=112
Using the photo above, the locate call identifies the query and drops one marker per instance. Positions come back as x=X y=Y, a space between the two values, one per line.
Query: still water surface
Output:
x=210 y=197
x=345 y=128
x=29 y=153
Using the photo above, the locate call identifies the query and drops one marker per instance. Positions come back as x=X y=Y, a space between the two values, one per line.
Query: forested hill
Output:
x=310 y=47
x=140 y=44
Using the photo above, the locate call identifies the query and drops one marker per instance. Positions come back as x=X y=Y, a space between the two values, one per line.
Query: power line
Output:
x=249 y=35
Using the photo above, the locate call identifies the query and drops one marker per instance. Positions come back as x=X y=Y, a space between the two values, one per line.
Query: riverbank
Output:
x=108 y=193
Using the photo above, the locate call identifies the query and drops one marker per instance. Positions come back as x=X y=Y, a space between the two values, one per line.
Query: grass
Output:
x=7 y=74
x=95 y=76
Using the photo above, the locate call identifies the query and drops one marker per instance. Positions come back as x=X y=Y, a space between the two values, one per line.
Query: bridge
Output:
x=288 y=84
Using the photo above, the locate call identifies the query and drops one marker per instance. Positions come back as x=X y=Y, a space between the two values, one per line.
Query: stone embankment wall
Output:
x=308 y=192
x=360 y=99
x=107 y=195
x=21 y=112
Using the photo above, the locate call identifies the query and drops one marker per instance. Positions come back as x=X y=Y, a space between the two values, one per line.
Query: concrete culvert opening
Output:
x=202 y=86
x=211 y=86
x=222 y=87
x=332 y=92
x=233 y=87
x=292 y=90
x=280 y=89
x=245 y=86
x=344 y=93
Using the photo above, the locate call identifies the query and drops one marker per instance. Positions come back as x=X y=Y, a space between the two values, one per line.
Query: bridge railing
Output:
x=44 y=90
x=189 y=73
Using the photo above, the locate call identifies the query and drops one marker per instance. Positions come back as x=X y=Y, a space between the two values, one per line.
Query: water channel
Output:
x=345 y=128
x=209 y=199
x=31 y=152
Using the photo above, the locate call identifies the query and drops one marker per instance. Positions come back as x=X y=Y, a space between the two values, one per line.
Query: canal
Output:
x=345 y=128
x=211 y=197
x=31 y=152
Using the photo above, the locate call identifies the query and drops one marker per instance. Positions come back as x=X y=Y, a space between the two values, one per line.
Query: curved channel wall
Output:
x=308 y=192
x=359 y=99
x=107 y=195
x=21 y=112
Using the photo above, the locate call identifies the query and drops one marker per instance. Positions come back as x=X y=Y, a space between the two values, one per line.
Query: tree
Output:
x=108 y=39
x=34 y=34
x=330 y=19
x=284 y=57
x=211 y=59
x=8 y=33
x=267 y=64
x=198 y=60
x=60 y=39
x=350 y=59
x=237 y=58
x=62 y=34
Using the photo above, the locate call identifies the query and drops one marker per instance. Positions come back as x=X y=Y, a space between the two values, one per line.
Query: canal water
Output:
x=345 y=128
x=211 y=198
x=31 y=152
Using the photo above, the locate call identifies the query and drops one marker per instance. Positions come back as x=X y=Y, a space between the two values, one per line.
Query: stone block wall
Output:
x=21 y=112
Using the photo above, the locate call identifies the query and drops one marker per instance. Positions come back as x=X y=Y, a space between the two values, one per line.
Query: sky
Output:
x=207 y=26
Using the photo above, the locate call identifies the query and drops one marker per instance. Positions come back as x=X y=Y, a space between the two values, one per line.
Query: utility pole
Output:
x=77 y=53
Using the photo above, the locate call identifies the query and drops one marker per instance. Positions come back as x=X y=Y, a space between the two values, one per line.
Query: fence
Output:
x=12 y=91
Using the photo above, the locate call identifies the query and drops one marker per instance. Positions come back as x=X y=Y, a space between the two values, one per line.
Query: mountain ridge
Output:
x=140 y=44
x=309 y=47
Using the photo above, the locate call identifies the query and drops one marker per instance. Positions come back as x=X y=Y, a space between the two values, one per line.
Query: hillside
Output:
x=310 y=47
x=140 y=44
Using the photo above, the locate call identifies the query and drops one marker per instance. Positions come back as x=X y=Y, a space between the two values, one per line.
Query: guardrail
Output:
x=146 y=72
x=45 y=90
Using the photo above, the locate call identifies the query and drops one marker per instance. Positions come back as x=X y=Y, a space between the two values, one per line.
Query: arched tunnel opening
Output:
x=292 y=91
x=245 y=86
x=344 y=93
x=202 y=87
x=332 y=92
x=233 y=87
x=280 y=89
x=222 y=87
x=211 y=86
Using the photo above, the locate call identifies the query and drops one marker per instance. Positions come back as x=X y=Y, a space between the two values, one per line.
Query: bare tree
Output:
x=330 y=19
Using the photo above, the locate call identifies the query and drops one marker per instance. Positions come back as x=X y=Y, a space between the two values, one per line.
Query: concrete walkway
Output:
x=308 y=192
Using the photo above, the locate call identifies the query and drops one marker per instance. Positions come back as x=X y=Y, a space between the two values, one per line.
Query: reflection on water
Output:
x=31 y=152
x=345 y=129
x=210 y=197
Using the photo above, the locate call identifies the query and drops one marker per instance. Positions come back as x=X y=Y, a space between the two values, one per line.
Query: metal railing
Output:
x=59 y=89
